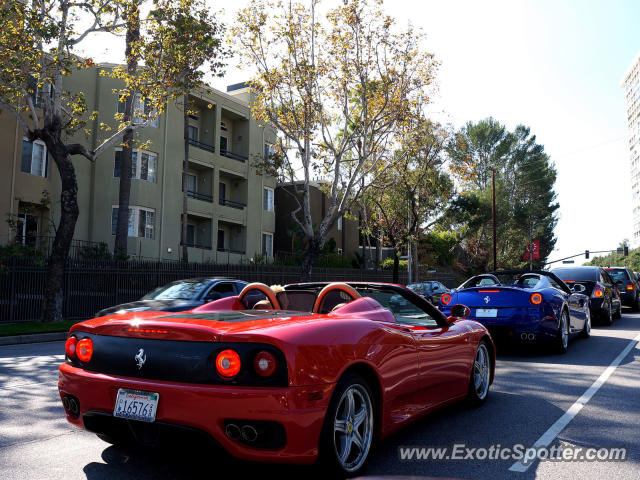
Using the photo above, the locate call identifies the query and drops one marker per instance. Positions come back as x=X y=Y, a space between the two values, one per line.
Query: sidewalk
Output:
x=33 y=338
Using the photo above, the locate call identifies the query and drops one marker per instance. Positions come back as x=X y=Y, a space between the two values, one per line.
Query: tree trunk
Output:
x=378 y=251
x=53 y=291
x=396 y=267
x=185 y=169
x=314 y=247
x=122 y=226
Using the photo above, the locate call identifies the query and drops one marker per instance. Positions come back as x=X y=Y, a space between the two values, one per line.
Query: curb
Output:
x=33 y=338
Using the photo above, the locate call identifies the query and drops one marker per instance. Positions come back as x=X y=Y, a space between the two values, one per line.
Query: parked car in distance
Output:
x=431 y=290
x=628 y=285
x=603 y=295
x=181 y=295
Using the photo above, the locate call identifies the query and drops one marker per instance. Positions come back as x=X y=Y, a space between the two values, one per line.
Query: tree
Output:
x=525 y=200
x=336 y=95
x=411 y=197
x=187 y=36
x=36 y=54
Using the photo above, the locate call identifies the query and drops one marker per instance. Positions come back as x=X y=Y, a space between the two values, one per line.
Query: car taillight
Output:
x=84 y=350
x=629 y=286
x=70 y=347
x=228 y=363
x=597 y=292
x=265 y=364
x=446 y=299
x=535 y=298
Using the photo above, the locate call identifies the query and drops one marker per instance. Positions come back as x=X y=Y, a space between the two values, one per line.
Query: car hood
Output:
x=167 y=305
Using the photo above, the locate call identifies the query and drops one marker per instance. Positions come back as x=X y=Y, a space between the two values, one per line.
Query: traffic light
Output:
x=586 y=254
x=626 y=250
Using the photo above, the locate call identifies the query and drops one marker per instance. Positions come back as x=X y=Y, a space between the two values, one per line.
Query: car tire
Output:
x=618 y=313
x=636 y=304
x=480 y=377
x=586 y=330
x=608 y=316
x=349 y=428
x=562 y=337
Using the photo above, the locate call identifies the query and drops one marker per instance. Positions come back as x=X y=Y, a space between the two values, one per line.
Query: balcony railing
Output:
x=232 y=204
x=200 y=196
x=204 y=146
x=235 y=156
x=231 y=250
x=197 y=245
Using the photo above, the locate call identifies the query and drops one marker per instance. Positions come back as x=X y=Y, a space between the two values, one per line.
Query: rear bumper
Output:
x=627 y=298
x=206 y=407
x=524 y=325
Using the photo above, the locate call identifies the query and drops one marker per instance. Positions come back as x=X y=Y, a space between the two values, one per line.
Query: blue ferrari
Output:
x=533 y=307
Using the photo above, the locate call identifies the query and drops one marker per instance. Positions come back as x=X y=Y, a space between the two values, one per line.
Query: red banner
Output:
x=533 y=249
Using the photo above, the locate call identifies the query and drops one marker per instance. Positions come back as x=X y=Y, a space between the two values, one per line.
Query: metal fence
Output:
x=91 y=285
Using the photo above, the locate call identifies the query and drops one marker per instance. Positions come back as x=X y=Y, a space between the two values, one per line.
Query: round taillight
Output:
x=265 y=364
x=70 y=347
x=535 y=298
x=84 y=350
x=597 y=293
x=228 y=363
x=446 y=299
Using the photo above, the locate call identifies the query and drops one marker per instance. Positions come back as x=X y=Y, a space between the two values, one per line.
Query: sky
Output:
x=554 y=66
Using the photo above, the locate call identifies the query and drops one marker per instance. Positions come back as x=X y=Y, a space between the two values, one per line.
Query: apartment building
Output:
x=631 y=84
x=231 y=214
x=345 y=232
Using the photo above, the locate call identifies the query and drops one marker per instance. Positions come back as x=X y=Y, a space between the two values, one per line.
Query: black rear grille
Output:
x=178 y=361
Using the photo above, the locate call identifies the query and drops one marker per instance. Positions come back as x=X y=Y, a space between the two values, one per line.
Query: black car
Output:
x=431 y=290
x=181 y=295
x=602 y=290
x=628 y=285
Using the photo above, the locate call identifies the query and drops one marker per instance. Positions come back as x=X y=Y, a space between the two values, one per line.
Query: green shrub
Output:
x=387 y=264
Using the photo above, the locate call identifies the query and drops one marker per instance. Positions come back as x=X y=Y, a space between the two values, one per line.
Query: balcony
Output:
x=230 y=203
x=202 y=145
x=197 y=245
x=234 y=156
x=200 y=196
x=230 y=250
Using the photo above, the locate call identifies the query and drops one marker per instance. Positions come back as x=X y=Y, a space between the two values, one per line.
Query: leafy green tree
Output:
x=525 y=201
x=336 y=95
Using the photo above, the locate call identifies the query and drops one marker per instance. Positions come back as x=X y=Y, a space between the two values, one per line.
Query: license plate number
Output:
x=487 y=312
x=136 y=405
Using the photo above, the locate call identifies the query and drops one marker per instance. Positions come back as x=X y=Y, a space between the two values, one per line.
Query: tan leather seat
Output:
x=263 y=305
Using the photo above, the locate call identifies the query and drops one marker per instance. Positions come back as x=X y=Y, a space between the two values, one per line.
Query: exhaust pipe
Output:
x=249 y=433
x=233 y=431
x=532 y=336
x=523 y=336
x=74 y=407
x=65 y=403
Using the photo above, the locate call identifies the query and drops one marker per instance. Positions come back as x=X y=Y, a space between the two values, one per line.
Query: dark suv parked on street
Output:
x=604 y=297
x=628 y=285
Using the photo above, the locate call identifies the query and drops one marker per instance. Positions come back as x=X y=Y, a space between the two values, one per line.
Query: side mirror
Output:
x=458 y=311
x=578 y=288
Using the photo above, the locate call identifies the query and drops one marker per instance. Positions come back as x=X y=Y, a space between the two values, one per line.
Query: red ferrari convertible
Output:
x=310 y=371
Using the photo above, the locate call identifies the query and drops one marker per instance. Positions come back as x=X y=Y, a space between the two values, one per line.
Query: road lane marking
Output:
x=555 y=429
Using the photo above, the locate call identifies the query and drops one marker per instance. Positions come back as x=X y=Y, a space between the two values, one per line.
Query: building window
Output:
x=267 y=199
x=141 y=111
x=34 y=158
x=191 y=182
x=224 y=142
x=267 y=244
x=269 y=151
x=144 y=165
x=141 y=222
x=223 y=126
x=222 y=193
x=339 y=223
x=221 y=240
x=194 y=134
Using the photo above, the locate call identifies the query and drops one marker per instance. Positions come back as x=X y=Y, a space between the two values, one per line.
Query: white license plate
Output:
x=136 y=405
x=486 y=312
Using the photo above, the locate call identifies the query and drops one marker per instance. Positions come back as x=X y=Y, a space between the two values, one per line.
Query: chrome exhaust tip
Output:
x=249 y=433
x=233 y=431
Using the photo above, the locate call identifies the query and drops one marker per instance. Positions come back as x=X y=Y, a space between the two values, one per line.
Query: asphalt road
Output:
x=531 y=392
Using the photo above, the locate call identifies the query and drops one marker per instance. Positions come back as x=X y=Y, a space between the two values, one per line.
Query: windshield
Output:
x=181 y=290
x=404 y=310
x=618 y=275
x=577 y=274
x=480 y=281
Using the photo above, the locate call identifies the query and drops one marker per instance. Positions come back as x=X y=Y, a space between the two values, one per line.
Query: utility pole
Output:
x=493 y=215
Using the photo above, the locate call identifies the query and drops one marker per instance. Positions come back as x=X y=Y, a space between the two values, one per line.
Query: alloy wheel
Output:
x=481 y=372
x=353 y=427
